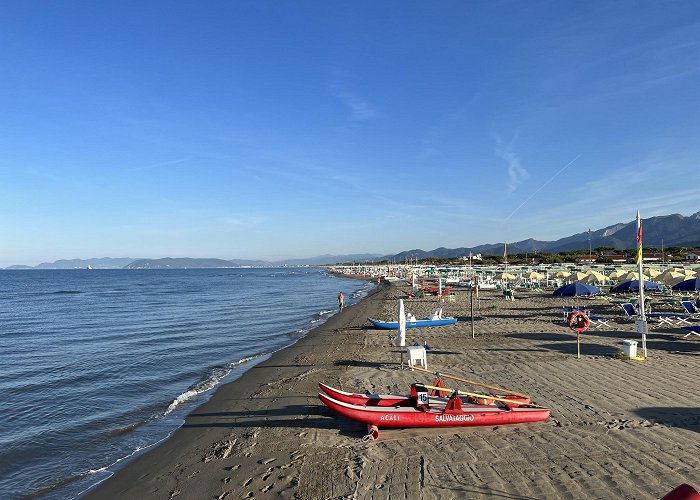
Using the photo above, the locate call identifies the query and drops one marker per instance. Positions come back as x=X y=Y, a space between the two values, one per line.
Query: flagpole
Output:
x=642 y=310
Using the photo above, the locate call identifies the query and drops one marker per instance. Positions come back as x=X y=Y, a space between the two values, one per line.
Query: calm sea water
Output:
x=96 y=365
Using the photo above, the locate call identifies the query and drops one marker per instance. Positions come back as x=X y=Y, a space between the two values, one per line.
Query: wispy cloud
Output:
x=516 y=173
x=542 y=187
x=344 y=88
x=162 y=164
x=360 y=108
x=242 y=221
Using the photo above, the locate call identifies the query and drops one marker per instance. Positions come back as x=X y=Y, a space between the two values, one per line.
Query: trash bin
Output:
x=629 y=348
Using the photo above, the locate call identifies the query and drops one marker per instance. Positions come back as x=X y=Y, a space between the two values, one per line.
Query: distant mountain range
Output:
x=103 y=263
x=194 y=263
x=674 y=230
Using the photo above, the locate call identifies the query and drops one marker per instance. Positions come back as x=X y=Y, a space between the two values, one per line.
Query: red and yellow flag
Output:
x=639 y=239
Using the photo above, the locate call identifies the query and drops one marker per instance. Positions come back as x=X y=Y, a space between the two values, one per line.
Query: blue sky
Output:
x=254 y=129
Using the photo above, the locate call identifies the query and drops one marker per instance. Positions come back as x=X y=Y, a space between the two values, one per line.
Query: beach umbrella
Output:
x=402 y=327
x=688 y=285
x=689 y=273
x=577 y=276
x=575 y=289
x=651 y=273
x=633 y=286
x=562 y=274
x=594 y=276
x=534 y=275
x=505 y=276
x=617 y=274
x=671 y=278
x=631 y=276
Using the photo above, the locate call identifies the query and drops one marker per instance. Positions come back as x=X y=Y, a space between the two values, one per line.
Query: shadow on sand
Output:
x=292 y=416
x=680 y=417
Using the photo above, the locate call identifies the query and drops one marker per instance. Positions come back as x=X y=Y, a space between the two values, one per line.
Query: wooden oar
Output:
x=472 y=382
x=483 y=396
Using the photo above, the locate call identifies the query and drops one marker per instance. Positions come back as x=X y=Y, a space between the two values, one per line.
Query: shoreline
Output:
x=618 y=428
x=278 y=366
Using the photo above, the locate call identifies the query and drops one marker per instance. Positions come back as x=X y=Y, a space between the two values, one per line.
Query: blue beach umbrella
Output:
x=687 y=285
x=576 y=288
x=633 y=286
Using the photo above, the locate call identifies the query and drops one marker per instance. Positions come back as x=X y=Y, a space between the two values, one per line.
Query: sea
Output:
x=97 y=366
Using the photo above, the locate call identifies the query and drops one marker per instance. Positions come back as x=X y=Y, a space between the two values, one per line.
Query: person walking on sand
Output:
x=341 y=301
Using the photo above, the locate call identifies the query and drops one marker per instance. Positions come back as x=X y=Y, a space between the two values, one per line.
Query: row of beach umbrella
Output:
x=669 y=277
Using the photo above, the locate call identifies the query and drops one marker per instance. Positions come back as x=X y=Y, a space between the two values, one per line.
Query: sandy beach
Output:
x=618 y=429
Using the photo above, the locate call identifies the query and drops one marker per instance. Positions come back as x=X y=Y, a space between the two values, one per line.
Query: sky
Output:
x=271 y=130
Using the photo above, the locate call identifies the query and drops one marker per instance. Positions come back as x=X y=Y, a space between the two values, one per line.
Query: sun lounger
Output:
x=692 y=330
x=599 y=322
x=670 y=318
x=690 y=308
x=630 y=310
x=569 y=309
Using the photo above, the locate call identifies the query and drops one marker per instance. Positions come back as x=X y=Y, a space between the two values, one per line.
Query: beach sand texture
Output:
x=619 y=428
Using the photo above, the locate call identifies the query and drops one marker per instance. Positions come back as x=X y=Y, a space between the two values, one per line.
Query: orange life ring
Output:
x=578 y=321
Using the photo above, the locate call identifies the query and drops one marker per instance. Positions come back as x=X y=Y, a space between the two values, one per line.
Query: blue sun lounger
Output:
x=690 y=308
x=692 y=330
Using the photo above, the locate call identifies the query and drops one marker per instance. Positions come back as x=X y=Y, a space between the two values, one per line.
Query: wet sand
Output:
x=619 y=428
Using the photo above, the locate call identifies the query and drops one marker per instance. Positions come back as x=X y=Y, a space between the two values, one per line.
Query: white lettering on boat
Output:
x=386 y=418
x=454 y=418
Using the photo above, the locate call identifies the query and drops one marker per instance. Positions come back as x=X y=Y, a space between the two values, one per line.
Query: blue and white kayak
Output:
x=419 y=323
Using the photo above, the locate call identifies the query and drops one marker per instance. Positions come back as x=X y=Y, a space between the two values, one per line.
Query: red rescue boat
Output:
x=421 y=414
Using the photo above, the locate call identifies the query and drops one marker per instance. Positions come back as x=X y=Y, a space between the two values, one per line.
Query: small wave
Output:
x=124 y=430
x=66 y=292
x=106 y=468
x=211 y=381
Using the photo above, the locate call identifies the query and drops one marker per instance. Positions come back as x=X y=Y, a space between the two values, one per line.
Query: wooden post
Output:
x=578 y=344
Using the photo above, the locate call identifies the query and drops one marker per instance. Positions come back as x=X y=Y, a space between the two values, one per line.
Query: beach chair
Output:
x=599 y=322
x=690 y=308
x=692 y=330
x=630 y=311
x=671 y=319
x=567 y=310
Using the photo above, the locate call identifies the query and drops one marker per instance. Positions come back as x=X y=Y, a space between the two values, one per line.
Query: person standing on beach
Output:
x=341 y=301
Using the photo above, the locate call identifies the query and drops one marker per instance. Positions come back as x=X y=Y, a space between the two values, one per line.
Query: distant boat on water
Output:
x=89 y=267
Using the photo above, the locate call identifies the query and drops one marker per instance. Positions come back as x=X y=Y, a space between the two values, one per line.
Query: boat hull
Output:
x=403 y=417
x=421 y=323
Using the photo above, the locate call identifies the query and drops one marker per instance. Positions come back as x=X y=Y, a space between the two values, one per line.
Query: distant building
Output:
x=651 y=257
x=693 y=256
x=586 y=259
x=611 y=256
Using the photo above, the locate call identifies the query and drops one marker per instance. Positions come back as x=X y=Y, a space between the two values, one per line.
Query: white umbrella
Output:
x=651 y=272
x=402 y=325
x=617 y=274
x=576 y=276
x=632 y=275
x=505 y=276
x=596 y=275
